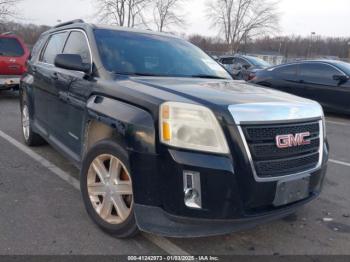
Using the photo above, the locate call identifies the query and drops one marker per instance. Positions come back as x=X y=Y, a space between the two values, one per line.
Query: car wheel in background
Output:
x=106 y=186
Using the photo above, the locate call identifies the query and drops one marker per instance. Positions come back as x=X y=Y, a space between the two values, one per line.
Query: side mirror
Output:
x=341 y=78
x=72 y=62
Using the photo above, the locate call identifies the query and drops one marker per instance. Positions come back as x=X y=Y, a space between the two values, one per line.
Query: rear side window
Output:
x=36 y=49
x=286 y=71
x=227 y=61
x=77 y=44
x=53 y=48
x=10 y=47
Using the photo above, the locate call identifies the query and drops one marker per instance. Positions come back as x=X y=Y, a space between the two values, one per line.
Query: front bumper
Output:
x=8 y=82
x=156 y=221
x=231 y=199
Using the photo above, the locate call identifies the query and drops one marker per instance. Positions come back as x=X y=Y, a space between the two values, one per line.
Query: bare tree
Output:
x=165 y=14
x=128 y=13
x=239 y=20
x=7 y=9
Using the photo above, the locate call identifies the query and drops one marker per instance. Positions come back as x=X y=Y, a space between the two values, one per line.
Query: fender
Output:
x=134 y=126
x=134 y=130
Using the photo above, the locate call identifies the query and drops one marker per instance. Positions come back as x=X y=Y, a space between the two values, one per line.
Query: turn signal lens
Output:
x=166 y=132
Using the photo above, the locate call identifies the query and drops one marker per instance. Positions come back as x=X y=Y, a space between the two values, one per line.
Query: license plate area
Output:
x=9 y=81
x=290 y=191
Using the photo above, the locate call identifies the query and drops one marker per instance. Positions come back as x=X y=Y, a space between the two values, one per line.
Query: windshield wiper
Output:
x=208 y=76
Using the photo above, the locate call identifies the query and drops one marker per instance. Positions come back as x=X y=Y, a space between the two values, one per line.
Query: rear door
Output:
x=285 y=79
x=45 y=92
x=11 y=56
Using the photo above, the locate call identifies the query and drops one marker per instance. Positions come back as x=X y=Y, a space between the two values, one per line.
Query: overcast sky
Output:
x=299 y=17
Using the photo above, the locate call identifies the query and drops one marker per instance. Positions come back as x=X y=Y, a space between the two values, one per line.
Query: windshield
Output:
x=10 y=47
x=259 y=62
x=134 y=53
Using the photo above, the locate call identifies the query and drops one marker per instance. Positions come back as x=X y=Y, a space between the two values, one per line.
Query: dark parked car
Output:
x=243 y=67
x=13 y=57
x=165 y=140
x=326 y=82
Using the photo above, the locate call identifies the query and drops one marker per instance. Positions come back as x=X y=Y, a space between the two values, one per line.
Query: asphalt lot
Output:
x=42 y=214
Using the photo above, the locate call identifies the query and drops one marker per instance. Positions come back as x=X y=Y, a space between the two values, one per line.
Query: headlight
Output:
x=192 y=127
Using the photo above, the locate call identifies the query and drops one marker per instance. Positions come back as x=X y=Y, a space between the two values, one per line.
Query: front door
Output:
x=316 y=80
x=74 y=90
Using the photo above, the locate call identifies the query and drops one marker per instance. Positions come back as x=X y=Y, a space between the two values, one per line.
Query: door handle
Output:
x=54 y=76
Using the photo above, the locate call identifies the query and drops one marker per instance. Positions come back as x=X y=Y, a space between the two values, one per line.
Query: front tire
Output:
x=106 y=187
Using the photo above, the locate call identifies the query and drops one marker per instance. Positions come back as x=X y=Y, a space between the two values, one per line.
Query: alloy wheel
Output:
x=25 y=122
x=110 y=189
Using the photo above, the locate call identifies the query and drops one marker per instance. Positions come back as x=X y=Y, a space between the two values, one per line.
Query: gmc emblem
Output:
x=286 y=141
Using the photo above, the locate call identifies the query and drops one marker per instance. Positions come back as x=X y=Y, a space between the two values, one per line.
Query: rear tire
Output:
x=30 y=137
x=106 y=187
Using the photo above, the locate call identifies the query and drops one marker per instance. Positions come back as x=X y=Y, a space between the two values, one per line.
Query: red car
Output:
x=13 y=57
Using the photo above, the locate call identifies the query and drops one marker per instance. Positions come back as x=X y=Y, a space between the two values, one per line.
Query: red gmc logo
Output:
x=286 y=141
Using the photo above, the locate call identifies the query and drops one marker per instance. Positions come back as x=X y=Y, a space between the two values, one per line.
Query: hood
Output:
x=216 y=92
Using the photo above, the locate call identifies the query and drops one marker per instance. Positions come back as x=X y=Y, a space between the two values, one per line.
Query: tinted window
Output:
x=53 y=48
x=242 y=62
x=36 y=49
x=286 y=71
x=10 y=47
x=152 y=54
x=317 y=71
x=227 y=61
x=77 y=44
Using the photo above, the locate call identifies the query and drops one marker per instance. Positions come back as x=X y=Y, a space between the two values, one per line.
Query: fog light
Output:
x=192 y=189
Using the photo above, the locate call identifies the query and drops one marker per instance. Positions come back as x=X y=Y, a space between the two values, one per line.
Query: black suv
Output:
x=165 y=140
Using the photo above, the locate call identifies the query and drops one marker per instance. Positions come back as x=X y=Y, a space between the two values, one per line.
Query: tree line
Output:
x=291 y=47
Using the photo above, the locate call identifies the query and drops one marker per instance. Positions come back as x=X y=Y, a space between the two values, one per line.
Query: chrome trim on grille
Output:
x=271 y=179
x=274 y=112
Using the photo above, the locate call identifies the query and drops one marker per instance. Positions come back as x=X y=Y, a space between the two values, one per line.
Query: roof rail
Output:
x=69 y=23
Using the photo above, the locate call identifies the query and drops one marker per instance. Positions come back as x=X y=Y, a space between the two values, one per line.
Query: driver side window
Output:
x=78 y=45
x=318 y=73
